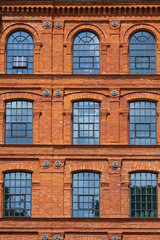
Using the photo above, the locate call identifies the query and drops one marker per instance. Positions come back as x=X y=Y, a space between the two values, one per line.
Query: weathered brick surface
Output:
x=52 y=117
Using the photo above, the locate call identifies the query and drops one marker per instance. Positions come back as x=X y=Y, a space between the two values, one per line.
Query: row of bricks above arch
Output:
x=59 y=41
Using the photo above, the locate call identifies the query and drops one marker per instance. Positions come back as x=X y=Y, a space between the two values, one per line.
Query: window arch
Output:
x=142 y=53
x=86 y=194
x=86 y=53
x=144 y=194
x=20 y=53
x=17 y=194
x=18 y=122
x=86 y=122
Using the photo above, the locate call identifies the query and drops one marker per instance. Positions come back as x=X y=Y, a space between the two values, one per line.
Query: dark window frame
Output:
x=142 y=119
x=17 y=194
x=85 y=140
x=142 y=196
x=79 y=51
x=93 y=211
x=142 y=44
x=20 y=44
x=20 y=115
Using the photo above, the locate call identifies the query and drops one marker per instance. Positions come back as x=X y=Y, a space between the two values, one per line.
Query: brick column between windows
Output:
x=114 y=121
x=37 y=48
x=114 y=188
x=124 y=58
x=57 y=116
x=2 y=124
x=68 y=62
x=67 y=128
x=36 y=118
x=124 y=124
x=158 y=58
x=2 y=57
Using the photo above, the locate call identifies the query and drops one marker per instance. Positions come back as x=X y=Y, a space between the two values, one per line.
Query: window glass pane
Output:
x=142 y=123
x=18 y=122
x=16 y=202
x=86 y=54
x=20 y=53
x=86 y=123
x=142 y=53
x=143 y=195
x=86 y=194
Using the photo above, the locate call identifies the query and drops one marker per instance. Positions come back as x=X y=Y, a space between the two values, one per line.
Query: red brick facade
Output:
x=52 y=117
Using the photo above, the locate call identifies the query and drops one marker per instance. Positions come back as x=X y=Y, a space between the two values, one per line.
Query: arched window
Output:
x=144 y=194
x=20 y=53
x=18 y=126
x=17 y=194
x=86 y=53
x=86 y=194
x=143 y=123
x=142 y=53
x=86 y=123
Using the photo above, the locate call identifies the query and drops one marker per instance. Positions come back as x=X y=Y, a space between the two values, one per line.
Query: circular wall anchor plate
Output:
x=114 y=24
x=58 y=93
x=114 y=93
x=114 y=164
x=45 y=163
x=45 y=237
x=58 y=163
x=46 y=92
x=57 y=237
x=114 y=237
x=47 y=24
x=58 y=24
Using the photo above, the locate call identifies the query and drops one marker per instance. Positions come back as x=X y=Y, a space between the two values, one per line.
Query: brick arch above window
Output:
x=81 y=96
x=138 y=96
x=19 y=26
x=141 y=27
x=86 y=27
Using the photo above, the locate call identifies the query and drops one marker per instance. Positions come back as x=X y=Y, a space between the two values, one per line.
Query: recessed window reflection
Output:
x=142 y=53
x=86 y=194
x=142 y=123
x=86 y=54
x=143 y=194
x=17 y=194
x=18 y=122
x=86 y=123
x=20 y=53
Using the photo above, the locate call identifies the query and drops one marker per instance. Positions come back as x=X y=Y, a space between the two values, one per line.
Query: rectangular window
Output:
x=18 y=126
x=20 y=62
x=143 y=123
x=86 y=122
x=86 y=194
x=143 y=194
x=17 y=194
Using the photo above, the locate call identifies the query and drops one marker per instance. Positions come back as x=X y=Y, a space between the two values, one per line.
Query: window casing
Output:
x=86 y=194
x=17 y=194
x=18 y=125
x=143 y=194
x=142 y=53
x=143 y=123
x=86 y=123
x=86 y=53
x=20 y=49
